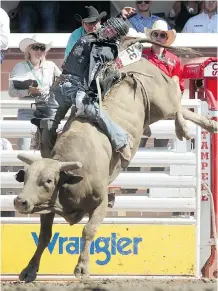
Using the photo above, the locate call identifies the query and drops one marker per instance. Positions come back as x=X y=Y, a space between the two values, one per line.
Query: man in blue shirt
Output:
x=91 y=21
x=143 y=18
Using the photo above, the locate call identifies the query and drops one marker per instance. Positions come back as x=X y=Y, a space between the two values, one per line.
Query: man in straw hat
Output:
x=91 y=22
x=165 y=61
x=161 y=57
x=77 y=84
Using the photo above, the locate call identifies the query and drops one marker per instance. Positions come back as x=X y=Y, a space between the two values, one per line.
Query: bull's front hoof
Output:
x=81 y=271
x=28 y=274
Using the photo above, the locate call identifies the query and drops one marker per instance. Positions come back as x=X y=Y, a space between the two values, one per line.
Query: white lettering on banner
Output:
x=211 y=70
x=205 y=162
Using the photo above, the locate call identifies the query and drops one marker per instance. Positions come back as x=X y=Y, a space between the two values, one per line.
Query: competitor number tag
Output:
x=131 y=55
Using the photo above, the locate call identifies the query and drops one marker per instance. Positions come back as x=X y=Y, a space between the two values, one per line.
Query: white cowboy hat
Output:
x=35 y=39
x=162 y=26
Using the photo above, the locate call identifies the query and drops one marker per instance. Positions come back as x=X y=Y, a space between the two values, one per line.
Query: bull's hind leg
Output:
x=95 y=219
x=29 y=273
x=181 y=126
x=203 y=121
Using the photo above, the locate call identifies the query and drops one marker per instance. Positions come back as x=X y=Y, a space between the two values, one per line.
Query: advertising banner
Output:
x=116 y=249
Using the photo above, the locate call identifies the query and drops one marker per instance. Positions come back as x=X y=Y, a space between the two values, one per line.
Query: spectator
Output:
x=31 y=13
x=5 y=145
x=205 y=22
x=168 y=63
x=144 y=17
x=165 y=61
x=160 y=57
x=91 y=21
x=182 y=11
x=4 y=32
x=36 y=68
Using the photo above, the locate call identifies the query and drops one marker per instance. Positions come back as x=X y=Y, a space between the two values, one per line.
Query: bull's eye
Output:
x=49 y=181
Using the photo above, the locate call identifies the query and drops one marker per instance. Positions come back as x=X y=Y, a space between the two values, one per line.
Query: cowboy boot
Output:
x=126 y=155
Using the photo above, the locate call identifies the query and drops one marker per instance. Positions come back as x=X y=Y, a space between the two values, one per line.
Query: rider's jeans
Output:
x=65 y=95
x=117 y=136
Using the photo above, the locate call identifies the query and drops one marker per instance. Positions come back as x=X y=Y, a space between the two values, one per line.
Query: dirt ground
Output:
x=115 y=285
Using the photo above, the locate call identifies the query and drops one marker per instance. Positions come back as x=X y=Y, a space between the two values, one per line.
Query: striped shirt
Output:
x=139 y=22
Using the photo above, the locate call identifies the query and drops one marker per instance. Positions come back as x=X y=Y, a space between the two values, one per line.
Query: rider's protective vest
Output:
x=88 y=56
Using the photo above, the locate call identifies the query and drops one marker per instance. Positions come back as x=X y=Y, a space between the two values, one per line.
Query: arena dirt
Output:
x=115 y=285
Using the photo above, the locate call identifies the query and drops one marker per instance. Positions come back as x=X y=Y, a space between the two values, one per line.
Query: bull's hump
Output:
x=81 y=135
x=80 y=127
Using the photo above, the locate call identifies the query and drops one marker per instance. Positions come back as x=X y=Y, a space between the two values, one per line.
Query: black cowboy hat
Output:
x=90 y=15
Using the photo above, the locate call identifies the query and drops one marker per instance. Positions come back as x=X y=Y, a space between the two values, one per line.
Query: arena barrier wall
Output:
x=125 y=246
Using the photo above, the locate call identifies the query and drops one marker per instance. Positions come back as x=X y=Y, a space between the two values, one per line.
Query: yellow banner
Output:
x=116 y=250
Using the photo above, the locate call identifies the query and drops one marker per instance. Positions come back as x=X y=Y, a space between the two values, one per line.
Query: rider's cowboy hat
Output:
x=33 y=40
x=161 y=25
x=90 y=15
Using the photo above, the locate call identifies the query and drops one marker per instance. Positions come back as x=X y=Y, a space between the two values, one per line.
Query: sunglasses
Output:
x=38 y=47
x=140 y=2
x=162 y=35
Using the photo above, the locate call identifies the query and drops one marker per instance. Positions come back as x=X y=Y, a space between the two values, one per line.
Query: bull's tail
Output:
x=147 y=105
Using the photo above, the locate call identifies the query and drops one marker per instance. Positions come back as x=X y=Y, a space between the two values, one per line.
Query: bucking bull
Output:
x=74 y=181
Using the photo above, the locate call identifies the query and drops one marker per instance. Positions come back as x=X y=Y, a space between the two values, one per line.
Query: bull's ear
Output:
x=69 y=166
x=20 y=176
x=27 y=158
x=69 y=178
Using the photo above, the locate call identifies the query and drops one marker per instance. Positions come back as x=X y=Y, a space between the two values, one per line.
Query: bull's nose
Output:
x=21 y=204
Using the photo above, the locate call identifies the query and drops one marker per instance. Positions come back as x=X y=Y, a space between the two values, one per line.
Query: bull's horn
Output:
x=68 y=166
x=27 y=158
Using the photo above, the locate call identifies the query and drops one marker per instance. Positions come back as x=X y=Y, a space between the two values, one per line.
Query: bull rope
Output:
x=146 y=98
x=130 y=74
x=187 y=51
x=99 y=93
